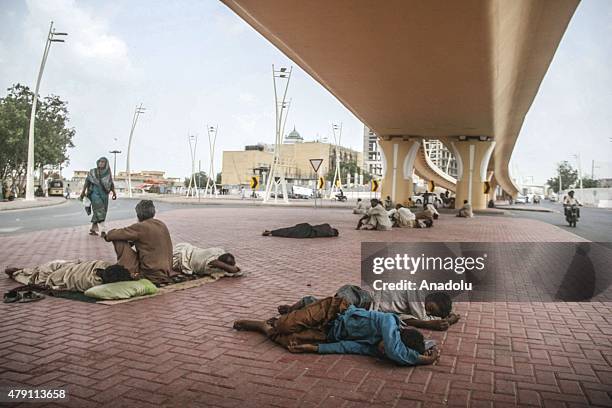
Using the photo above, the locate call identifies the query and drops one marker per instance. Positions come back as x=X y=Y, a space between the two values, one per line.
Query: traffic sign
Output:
x=321 y=183
x=254 y=182
x=487 y=187
x=316 y=163
x=375 y=185
x=431 y=186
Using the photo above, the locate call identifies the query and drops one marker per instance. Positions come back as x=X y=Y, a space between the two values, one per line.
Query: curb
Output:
x=239 y=203
x=542 y=210
x=48 y=204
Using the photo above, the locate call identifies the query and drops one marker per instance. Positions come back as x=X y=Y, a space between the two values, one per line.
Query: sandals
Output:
x=26 y=296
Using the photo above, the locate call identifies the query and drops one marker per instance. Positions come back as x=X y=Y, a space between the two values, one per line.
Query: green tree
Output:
x=219 y=178
x=588 y=182
x=201 y=178
x=569 y=176
x=350 y=167
x=52 y=136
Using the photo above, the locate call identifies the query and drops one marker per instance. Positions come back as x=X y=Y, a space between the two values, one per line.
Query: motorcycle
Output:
x=571 y=215
x=341 y=197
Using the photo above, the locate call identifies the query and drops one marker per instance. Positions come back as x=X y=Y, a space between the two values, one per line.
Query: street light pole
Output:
x=277 y=169
x=212 y=139
x=137 y=112
x=30 y=166
x=577 y=156
x=115 y=153
x=337 y=132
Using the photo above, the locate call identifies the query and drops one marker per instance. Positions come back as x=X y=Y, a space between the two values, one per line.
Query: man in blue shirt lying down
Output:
x=331 y=325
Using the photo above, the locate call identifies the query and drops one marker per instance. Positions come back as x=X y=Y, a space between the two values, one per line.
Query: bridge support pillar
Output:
x=472 y=164
x=398 y=156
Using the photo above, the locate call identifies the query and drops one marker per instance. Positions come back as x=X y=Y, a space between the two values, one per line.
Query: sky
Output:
x=195 y=63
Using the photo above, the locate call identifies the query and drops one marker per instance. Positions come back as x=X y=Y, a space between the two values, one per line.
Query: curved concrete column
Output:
x=474 y=157
x=398 y=163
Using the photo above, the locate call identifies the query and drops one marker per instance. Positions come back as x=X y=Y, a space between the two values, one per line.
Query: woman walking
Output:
x=98 y=185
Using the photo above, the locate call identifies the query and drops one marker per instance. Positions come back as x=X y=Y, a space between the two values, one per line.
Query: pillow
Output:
x=122 y=290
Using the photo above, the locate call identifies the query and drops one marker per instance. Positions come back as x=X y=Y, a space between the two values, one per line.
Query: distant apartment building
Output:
x=240 y=165
x=372 y=162
x=143 y=180
x=441 y=156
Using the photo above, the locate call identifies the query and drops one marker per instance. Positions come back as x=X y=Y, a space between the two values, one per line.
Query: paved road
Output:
x=595 y=223
x=70 y=214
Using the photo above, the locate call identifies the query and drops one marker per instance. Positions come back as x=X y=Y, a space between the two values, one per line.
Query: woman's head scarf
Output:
x=101 y=177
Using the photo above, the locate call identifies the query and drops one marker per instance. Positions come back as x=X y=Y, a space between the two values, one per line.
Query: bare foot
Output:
x=239 y=325
x=284 y=309
x=11 y=270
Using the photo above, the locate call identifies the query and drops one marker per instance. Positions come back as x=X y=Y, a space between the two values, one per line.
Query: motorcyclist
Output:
x=569 y=200
x=340 y=196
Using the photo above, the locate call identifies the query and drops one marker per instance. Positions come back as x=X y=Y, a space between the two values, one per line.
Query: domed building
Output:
x=293 y=137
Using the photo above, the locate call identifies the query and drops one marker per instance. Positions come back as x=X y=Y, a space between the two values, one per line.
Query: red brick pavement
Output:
x=180 y=350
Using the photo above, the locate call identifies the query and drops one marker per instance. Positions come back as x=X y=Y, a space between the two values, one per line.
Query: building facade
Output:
x=441 y=156
x=371 y=161
x=239 y=166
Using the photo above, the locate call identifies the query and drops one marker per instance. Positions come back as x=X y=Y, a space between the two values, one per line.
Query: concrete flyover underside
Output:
x=433 y=69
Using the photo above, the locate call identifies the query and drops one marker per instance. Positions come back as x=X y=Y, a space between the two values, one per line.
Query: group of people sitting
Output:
x=360 y=321
x=143 y=250
x=378 y=217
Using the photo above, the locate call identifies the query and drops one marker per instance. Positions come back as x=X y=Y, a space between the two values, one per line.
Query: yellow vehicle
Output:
x=56 y=188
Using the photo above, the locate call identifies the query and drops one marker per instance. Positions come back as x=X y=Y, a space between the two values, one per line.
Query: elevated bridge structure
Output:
x=464 y=72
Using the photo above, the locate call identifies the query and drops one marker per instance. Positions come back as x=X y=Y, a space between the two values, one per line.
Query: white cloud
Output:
x=91 y=48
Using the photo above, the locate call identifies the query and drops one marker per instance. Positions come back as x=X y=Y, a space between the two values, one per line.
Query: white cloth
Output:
x=408 y=304
x=190 y=259
x=432 y=208
x=63 y=275
x=405 y=217
x=378 y=218
x=571 y=201
x=361 y=208
x=466 y=211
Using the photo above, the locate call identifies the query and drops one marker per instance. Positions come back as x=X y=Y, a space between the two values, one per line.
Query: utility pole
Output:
x=577 y=156
x=277 y=169
x=137 y=112
x=30 y=165
x=115 y=153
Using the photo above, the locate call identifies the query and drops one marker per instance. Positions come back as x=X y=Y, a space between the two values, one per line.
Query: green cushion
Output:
x=122 y=290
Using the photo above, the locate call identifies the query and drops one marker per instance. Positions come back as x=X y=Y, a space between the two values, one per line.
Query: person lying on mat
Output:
x=332 y=326
x=304 y=230
x=191 y=260
x=76 y=276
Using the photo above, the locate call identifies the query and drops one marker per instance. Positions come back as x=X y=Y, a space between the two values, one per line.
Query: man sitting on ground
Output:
x=361 y=207
x=75 y=276
x=433 y=313
x=429 y=213
x=388 y=203
x=376 y=218
x=466 y=210
x=402 y=217
x=213 y=262
x=152 y=258
x=303 y=230
x=330 y=325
